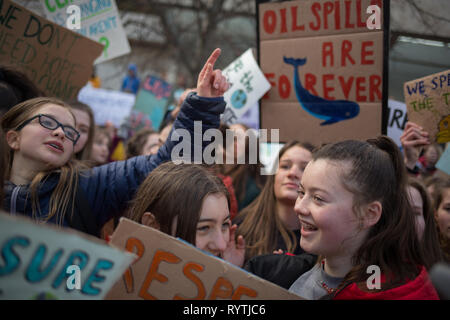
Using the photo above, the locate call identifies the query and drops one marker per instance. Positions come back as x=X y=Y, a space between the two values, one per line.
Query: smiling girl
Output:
x=189 y=202
x=355 y=213
x=269 y=223
x=46 y=183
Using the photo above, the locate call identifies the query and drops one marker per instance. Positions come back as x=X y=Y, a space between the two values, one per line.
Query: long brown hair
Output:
x=172 y=191
x=136 y=143
x=378 y=174
x=260 y=221
x=65 y=190
x=85 y=153
x=3 y=161
x=240 y=173
x=438 y=197
x=430 y=239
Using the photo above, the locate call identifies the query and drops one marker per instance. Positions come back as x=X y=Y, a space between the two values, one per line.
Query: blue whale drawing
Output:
x=331 y=111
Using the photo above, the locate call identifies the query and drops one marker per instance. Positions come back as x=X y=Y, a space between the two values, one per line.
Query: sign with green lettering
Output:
x=98 y=20
x=56 y=59
x=428 y=103
x=42 y=262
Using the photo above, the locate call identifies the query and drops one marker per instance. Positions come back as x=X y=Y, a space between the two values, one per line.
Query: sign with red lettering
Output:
x=324 y=61
x=428 y=103
x=57 y=60
x=170 y=269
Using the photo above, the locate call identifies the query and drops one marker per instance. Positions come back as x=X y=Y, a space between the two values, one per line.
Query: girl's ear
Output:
x=372 y=214
x=148 y=219
x=13 y=139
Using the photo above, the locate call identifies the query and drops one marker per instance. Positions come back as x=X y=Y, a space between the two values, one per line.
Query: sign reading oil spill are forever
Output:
x=324 y=61
x=428 y=103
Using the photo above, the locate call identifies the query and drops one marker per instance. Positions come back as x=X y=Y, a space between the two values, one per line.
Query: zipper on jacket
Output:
x=14 y=195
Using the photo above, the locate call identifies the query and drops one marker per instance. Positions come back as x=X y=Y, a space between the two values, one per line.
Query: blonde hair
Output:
x=65 y=191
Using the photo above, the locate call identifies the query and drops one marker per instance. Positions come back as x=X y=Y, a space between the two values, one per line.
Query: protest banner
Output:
x=107 y=105
x=98 y=20
x=152 y=100
x=325 y=67
x=170 y=269
x=397 y=120
x=43 y=262
x=247 y=86
x=56 y=59
x=428 y=103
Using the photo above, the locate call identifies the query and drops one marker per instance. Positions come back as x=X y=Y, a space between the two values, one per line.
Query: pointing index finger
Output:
x=213 y=57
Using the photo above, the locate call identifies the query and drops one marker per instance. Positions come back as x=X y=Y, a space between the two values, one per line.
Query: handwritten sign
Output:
x=152 y=100
x=99 y=21
x=397 y=120
x=325 y=67
x=43 y=262
x=428 y=103
x=107 y=105
x=57 y=60
x=168 y=269
x=248 y=85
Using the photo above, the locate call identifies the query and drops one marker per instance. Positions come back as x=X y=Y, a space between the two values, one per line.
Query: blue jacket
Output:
x=110 y=187
x=131 y=84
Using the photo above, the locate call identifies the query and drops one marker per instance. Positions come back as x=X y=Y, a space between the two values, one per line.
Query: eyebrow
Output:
x=52 y=116
x=213 y=220
x=313 y=189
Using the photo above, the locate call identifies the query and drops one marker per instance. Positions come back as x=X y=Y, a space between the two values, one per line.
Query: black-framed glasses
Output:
x=51 y=123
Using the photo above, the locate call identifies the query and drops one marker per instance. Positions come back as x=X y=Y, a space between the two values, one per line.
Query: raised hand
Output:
x=413 y=139
x=235 y=251
x=211 y=83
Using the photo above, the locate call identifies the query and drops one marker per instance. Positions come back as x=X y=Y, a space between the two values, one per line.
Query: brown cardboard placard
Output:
x=56 y=59
x=323 y=62
x=172 y=269
x=428 y=102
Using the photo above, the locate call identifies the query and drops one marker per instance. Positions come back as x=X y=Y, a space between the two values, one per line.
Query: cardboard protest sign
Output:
x=428 y=103
x=325 y=67
x=168 y=269
x=107 y=105
x=248 y=85
x=56 y=59
x=152 y=100
x=43 y=262
x=98 y=20
x=397 y=120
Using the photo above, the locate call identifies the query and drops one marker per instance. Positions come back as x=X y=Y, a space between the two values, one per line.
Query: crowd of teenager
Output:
x=314 y=227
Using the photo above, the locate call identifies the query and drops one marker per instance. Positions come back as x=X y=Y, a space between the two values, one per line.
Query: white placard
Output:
x=397 y=120
x=99 y=21
x=108 y=105
x=39 y=262
x=248 y=85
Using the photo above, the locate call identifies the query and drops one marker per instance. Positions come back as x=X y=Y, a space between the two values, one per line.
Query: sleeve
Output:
x=110 y=187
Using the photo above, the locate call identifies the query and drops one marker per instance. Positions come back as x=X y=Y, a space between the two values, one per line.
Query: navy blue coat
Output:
x=106 y=190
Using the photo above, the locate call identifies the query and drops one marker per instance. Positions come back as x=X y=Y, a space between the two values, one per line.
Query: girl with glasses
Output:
x=43 y=180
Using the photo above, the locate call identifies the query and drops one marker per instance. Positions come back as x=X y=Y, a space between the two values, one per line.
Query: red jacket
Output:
x=418 y=289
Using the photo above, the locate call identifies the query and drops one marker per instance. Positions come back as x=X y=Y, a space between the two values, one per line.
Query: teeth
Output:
x=308 y=226
x=55 y=146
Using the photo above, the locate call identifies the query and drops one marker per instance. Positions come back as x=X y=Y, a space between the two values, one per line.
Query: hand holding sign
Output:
x=413 y=139
x=211 y=83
